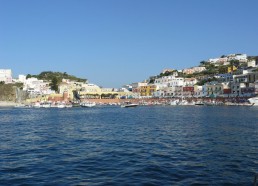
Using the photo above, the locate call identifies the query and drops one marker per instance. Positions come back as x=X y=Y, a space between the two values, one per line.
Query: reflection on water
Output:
x=143 y=145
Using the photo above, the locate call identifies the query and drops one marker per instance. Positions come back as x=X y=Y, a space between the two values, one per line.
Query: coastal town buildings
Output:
x=193 y=70
x=21 y=78
x=36 y=86
x=227 y=77
x=147 y=90
x=198 y=91
x=240 y=79
x=214 y=89
x=252 y=63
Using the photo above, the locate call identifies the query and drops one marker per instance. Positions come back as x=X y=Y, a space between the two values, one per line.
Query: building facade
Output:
x=6 y=75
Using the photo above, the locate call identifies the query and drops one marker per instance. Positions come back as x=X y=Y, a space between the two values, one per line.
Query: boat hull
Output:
x=127 y=106
x=253 y=101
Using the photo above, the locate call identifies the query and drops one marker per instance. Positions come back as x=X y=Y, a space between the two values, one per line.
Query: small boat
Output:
x=37 y=105
x=88 y=104
x=199 y=103
x=128 y=104
x=22 y=106
x=174 y=102
x=45 y=105
x=253 y=101
x=61 y=105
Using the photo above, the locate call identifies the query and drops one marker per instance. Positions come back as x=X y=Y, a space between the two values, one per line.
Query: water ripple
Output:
x=140 y=146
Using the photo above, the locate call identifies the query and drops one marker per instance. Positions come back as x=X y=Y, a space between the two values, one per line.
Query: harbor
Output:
x=128 y=93
x=140 y=102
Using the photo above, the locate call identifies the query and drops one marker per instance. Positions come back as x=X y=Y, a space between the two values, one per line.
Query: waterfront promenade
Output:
x=141 y=101
x=165 y=100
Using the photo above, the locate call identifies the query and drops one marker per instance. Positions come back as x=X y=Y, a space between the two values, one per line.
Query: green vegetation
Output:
x=235 y=63
x=202 y=82
x=204 y=63
x=255 y=70
x=54 y=84
x=210 y=72
x=151 y=80
x=108 y=96
x=55 y=77
x=167 y=73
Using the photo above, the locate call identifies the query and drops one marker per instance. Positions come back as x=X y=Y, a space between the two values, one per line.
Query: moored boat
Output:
x=253 y=101
x=128 y=104
x=88 y=104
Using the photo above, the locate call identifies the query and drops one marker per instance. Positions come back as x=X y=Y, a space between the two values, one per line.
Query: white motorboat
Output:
x=128 y=104
x=174 y=102
x=199 y=103
x=61 y=105
x=37 y=105
x=88 y=104
x=253 y=101
x=46 y=105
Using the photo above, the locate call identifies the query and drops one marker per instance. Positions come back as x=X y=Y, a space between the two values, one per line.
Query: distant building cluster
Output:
x=236 y=81
x=68 y=90
x=225 y=60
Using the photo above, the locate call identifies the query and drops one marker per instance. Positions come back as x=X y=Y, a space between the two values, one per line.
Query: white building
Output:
x=22 y=78
x=251 y=63
x=169 y=92
x=176 y=81
x=163 y=82
x=215 y=60
x=6 y=75
x=91 y=88
x=189 y=81
x=35 y=86
x=168 y=86
x=241 y=57
x=198 y=91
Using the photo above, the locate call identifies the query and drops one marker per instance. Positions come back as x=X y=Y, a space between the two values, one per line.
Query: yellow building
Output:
x=67 y=87
x=232 y=69
x=147 y=90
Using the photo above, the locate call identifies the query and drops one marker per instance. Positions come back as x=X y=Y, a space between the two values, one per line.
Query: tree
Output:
x=152 y=80
x=54 y=84
x=28 y=76
x=234 y=63
x=203 y=63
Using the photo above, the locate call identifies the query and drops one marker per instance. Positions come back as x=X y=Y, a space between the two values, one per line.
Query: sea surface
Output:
x=151 y=145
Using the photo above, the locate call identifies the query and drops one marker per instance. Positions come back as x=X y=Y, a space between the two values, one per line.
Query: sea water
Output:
x=151 y=145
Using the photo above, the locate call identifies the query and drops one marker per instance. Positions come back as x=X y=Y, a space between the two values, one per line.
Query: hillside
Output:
x=49 y=76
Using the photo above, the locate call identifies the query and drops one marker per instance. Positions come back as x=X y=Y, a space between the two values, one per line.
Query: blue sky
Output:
x=116 y=42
